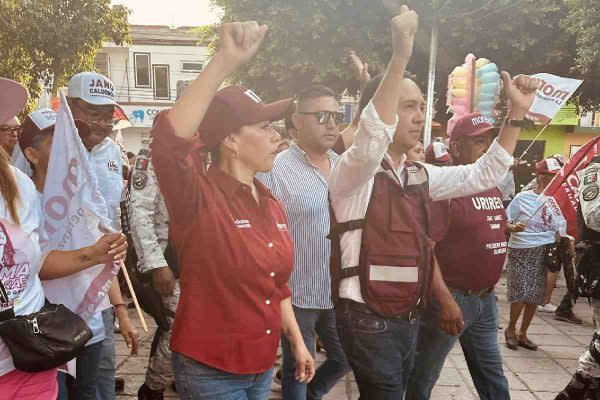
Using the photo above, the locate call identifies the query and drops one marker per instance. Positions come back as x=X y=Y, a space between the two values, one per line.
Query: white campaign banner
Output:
x=75 y=216
x=552 y=94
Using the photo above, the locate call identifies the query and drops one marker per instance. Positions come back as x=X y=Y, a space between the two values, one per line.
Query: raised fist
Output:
x=520 y=90
x=240 y=41
x=404 y=28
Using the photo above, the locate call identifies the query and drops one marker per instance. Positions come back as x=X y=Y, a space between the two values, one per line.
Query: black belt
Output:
x=470 y=292
x=346 y=305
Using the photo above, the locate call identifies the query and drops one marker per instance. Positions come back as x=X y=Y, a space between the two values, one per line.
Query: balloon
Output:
x=459 y=92
x=473 y=86
x=487 y=68
x=488 y=88
x=481 y=62
x=470 y=62
x=459 y=72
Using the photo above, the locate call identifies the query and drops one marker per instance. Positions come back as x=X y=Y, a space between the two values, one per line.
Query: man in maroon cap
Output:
x=470 y=250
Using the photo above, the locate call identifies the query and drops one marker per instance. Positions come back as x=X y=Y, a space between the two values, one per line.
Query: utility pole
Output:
x=433 y=47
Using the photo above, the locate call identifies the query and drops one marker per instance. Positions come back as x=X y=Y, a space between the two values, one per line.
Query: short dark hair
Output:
x=370 y=88
x=130 y=154
x=314 y=92
x=289 y=123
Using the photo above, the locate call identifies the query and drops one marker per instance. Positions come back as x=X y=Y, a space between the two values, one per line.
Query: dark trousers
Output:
x=380 y=350
x=566 y=304
x=84 y=387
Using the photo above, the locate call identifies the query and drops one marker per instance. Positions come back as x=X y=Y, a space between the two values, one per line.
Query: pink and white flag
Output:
x=552 y=94
x=75 y=216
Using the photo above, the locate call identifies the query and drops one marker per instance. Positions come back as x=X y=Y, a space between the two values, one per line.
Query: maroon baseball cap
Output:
x=13 y=98
x=437 y=153
x=473 y=124
x=234 y=107
x=548 y=166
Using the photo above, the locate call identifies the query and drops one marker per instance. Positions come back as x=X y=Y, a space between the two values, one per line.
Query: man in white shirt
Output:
x=379 y=341
x=91 y=99
x=299 y=181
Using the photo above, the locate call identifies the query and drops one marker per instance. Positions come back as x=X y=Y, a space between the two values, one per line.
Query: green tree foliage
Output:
x=308 y=41
x=582 y=22
x=44 y=40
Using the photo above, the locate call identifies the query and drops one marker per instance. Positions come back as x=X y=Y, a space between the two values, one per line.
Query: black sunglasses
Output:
x=324 y=116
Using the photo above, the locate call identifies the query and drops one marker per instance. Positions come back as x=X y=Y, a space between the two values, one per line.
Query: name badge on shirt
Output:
x=242 y=223
x=113 y=166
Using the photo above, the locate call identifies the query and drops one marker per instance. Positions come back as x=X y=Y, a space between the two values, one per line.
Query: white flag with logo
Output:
x=552 y=94
x=75 y=216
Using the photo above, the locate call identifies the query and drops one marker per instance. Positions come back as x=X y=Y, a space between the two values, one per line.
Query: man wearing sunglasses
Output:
x=91 y=98
x=299 y=180
x=9 y=131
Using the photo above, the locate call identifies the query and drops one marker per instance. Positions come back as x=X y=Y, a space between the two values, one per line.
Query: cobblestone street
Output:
x=531 y=374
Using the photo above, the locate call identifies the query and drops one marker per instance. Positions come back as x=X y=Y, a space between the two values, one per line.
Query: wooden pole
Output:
x=133 y=296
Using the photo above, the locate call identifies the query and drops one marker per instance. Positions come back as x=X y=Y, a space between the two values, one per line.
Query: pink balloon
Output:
x=470 y=62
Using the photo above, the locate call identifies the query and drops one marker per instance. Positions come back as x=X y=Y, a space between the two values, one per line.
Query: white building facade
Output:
x=148 y=72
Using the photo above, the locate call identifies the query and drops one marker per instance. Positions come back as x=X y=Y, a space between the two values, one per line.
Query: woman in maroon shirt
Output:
x=230 y=234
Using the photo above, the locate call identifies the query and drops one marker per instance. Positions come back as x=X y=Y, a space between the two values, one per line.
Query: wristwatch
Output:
x=519 y=123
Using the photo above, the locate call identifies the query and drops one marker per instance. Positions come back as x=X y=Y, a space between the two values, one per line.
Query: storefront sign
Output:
x=142 y=116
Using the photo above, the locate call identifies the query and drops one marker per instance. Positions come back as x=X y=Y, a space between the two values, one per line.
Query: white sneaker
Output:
x=547 y=308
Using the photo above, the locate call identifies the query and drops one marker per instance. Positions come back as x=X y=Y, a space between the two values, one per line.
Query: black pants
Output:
x=566 y=304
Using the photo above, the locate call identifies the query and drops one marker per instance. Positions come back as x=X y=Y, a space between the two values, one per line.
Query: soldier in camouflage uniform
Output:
x=585 y=383
x=149 y=223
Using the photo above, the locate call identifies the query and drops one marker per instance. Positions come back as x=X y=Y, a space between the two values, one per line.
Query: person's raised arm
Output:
x=378 y=121
x=239 y=42
x=387 y=96
x=491 y=168
x=521 y=93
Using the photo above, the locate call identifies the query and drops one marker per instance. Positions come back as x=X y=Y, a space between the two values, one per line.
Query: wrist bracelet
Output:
x=120 y=305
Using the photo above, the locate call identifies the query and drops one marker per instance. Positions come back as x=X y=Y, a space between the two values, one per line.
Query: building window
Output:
x=142 y=69
x=101 y=64
x=162 y=88
x=192 y=66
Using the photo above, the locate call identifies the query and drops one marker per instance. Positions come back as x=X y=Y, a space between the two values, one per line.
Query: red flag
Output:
x=562 y=194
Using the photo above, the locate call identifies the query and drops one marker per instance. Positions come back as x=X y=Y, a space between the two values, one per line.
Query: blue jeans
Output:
x=330 y=372
x=479 y=341
x=84 y=387
x=105 y=387
x=380 y=351
x=197 y=381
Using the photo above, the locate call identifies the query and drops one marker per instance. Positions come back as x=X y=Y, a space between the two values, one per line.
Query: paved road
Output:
x=531 y=374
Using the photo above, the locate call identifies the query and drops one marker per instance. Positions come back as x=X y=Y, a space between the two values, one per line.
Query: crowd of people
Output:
x=243 y=237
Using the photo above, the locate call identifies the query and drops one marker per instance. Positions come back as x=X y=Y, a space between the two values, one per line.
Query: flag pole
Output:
x=533 y=141
x=133 y=296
